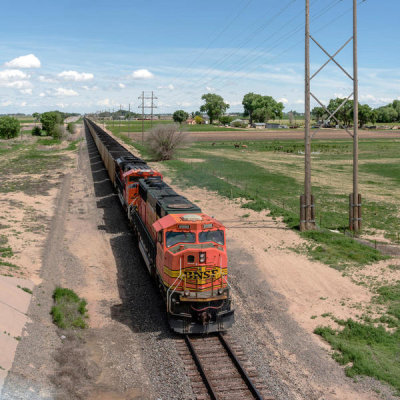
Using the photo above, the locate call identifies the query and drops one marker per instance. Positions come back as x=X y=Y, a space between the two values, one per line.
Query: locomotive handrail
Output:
x=169 y=296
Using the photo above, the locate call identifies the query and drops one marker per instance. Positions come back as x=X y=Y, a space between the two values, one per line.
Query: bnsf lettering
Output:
x=201 y=275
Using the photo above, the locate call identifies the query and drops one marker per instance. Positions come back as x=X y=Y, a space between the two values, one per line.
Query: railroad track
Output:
x=219 y=370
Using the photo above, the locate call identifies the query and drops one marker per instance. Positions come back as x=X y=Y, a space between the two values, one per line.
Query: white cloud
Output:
x=23 y=104
x=283 y=100
x=299 y=101
x=42 y=94
x=6 y=103
x=28 y=61
x=169 y=87
x=104 y=102
x=43 y=78
x=17 y=84
x=10 y=74
x=209 y=89
x=142 y=74
x=121 y=85
x=76 y=76
x=184 y=104
x=61 y=105
x=26 y=91
x=65 y=92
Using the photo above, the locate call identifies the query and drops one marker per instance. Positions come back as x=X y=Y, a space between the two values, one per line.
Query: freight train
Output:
x=183 y=248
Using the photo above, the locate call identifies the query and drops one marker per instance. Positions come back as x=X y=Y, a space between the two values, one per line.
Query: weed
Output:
x=25 y=289
x=245 y=216
x=313 y=316
x=17 y=338
x=394 y=267
x=69 y=311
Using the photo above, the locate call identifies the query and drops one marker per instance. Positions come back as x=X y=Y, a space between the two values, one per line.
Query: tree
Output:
x=344 y=115
x=386 y=114
x=365 y=114
x=163 y=140
x=49 y=120
x=266 y=108
x=9 y=127
x=249 y=104
x=396 y=107
x=36 y=116
x=318 y=113
x=198 y=119
x=214 y=106
x=225 y=119
x=179 y=116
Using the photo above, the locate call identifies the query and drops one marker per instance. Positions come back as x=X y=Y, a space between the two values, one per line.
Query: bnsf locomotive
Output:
x=183 y=248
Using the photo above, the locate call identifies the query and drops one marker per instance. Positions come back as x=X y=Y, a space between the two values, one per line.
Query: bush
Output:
x=225 y=120
x=164 y=140
x=238 y=124
x=50 y=120
x=9 y=127
x=71 y=128
x=57 y=132
x=198 y=119
x=36 y=131
x=69 y=310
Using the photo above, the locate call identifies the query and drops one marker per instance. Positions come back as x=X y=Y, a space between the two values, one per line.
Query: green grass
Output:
x=136 y=126
x=366 y=349
x=339 y=251
x=69 y=310
x=48 y=141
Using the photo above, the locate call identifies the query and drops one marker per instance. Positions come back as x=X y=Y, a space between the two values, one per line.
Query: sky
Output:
x=86 y=56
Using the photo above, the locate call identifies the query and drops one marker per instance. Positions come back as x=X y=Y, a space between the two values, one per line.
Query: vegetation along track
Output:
x=219 y=370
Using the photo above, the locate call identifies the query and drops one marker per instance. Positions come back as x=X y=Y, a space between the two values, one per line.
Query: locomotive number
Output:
x=202 y=274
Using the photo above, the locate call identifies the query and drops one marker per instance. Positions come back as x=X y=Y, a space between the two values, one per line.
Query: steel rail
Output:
x=239 y=367
x=199 y=365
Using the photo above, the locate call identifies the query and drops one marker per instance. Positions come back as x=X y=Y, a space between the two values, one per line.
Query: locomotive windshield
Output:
x=212 y=236
x=179 y=237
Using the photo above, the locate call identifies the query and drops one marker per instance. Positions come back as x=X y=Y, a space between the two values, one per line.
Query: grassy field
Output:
x=136 y=126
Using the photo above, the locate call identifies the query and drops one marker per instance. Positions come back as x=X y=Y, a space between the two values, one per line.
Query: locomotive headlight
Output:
x=202 y=257
x=220 y=291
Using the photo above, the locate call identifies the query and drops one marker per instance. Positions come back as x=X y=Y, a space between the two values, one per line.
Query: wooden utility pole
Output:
x=307 y=220
x=355 y=198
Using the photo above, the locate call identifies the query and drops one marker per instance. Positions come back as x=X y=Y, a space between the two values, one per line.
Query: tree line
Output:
x=385 y=114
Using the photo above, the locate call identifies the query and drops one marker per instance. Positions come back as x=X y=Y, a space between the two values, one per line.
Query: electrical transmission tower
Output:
x=143 y=106
x=307 y=210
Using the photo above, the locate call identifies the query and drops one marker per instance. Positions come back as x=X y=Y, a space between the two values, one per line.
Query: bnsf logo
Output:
x=214 y=273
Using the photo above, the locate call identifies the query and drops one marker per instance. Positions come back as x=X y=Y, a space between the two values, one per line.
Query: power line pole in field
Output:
x=307 y=210
x=143 y=106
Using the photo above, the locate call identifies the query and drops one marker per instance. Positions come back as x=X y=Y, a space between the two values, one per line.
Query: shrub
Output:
x=71 y=128
x=9 y=127
x=36 y=131
x=57 y=132
x=50 y=120
x=164 y=140
x=225 y=120
x=69 y=310
x=199 y=120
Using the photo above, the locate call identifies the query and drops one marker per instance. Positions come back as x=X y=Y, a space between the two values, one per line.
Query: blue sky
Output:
x=94 y=55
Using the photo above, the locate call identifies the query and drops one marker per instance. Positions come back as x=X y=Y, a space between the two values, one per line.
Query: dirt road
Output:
x=237 y=136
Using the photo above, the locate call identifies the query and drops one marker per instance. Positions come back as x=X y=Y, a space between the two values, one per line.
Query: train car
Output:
x=183 y=248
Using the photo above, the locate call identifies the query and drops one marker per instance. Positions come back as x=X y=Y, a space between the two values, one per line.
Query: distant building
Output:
x=259 y=125
x=272 y=126
x=191 y=121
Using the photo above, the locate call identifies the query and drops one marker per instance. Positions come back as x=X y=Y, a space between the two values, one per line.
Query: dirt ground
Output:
x=128 y=351
x=241 y=136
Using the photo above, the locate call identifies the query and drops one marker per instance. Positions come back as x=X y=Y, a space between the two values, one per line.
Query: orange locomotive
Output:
x=183 y=248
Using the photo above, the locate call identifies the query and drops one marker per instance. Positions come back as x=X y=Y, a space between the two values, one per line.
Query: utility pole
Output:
x=129 y=118
x=143 y=106
x=120 y=119
x=355 y=206
x=307 y=212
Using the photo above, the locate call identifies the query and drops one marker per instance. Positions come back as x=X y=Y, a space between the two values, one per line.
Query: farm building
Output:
x=191 y=121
